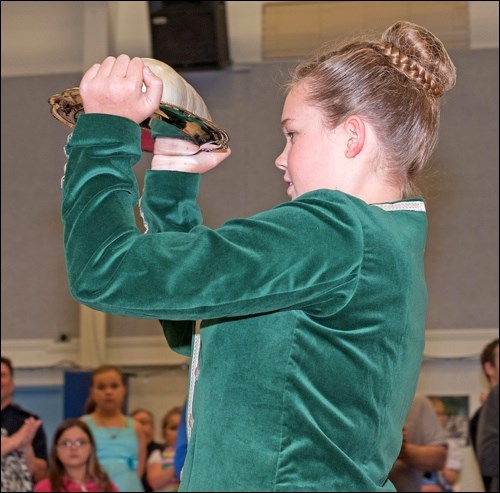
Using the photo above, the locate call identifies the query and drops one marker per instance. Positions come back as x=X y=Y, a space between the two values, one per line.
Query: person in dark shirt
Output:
x=487 y=439
x=490 y=366
x=22 y=430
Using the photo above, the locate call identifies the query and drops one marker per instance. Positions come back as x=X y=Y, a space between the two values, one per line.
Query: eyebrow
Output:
x=285 y=121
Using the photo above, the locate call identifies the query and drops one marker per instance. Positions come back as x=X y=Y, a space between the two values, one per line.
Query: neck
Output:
x=379 y=193
x=106 y=414
x=111 y=419
x=369 y=185
x=77 y=474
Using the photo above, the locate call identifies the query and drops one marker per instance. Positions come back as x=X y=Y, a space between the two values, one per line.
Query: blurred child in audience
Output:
x=73 y=461
x=147 y=421
x=121 y=444
x=160 y=469
x=446 y=479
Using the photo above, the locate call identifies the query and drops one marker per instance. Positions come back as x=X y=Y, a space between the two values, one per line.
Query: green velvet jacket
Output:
x=313 y=314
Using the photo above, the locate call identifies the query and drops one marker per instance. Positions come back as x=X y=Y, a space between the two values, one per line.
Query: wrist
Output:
x=27 y=451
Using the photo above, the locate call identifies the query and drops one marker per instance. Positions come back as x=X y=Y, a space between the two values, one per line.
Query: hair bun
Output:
x=420 y=56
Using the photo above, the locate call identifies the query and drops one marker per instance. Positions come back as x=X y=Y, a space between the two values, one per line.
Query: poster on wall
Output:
x=453 y=412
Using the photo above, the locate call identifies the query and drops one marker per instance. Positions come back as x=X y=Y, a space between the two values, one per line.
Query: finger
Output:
x=106 y=66
x=195 y=163
x=120 y=66
x=154 y=85
x=91 y=73
x=175 y=147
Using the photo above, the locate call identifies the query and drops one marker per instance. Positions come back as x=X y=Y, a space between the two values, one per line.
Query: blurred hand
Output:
x=27 y=432
x=115 y=87
x=182 y=155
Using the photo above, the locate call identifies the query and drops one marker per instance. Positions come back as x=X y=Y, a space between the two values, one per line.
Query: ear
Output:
x=356 y=132
x=489 y=369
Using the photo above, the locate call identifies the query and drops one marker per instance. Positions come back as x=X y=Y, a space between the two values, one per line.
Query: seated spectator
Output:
x=490 y=367
x=73 y=461
x=423 y=448
x=24 y=443
x=16 y=475
x=160 y=467
x=447 y=478
x=146 y=419
x=487 y=439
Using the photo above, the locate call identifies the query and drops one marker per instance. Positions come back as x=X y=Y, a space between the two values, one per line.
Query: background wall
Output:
x=462 y=253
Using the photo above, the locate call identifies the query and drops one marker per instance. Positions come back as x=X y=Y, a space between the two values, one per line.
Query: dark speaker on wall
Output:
x=190 y=35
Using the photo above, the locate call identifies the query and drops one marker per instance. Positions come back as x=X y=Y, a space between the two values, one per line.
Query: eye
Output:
x=289 y=136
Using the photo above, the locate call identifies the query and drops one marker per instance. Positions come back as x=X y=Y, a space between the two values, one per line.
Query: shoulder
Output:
x=155 y=457
x=421 y=414
x=317 y=212
x=492 y=399
x=43 y=486
x=421 y=403
x=16 y=410
x=13 y=417
x=152 y=446
x=476 y=415
x=132 y=423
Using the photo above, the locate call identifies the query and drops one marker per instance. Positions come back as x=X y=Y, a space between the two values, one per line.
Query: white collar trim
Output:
x=410 y=205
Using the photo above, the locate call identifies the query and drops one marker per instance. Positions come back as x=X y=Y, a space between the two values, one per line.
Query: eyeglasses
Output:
x=69 y=443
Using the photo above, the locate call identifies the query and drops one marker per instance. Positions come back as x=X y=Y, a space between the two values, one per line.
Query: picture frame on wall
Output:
x=453 y=412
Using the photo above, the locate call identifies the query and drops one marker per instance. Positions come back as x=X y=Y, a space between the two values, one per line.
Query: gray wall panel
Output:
x=462 y=253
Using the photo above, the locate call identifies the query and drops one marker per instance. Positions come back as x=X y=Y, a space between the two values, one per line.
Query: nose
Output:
x=281 y=161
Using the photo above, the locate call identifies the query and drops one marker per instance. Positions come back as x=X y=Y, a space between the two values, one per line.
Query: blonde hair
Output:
x=395 y=83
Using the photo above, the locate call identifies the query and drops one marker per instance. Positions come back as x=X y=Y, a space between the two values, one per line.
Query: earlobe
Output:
x=355 y=129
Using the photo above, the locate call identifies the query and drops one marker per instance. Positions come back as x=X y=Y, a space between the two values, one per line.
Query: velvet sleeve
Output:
x=303 y=254
x=176 y=210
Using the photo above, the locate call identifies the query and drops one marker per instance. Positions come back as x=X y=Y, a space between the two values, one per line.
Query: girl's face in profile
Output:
x=74 y=447
x=311 y=151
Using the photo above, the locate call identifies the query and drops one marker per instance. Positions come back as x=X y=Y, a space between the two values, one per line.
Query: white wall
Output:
x=67 y=37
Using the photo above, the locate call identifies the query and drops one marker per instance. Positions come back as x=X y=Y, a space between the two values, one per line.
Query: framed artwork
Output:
x=453 y=412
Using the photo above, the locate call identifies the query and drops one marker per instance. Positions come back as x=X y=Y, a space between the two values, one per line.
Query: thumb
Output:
x=154 y=86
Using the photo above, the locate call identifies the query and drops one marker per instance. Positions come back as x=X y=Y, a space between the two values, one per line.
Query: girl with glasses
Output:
x=74 y=465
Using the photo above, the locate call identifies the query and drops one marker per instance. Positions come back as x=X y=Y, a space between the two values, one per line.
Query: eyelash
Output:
x=289 y=135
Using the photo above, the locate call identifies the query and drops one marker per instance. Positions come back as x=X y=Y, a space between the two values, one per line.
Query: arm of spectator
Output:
x=36 y=466
x=158 y=473
x=454 y=463
x=424 y=457
x=450 y=475
x=141 y=459
x=21 y=438
x=21 y=441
